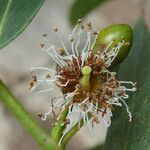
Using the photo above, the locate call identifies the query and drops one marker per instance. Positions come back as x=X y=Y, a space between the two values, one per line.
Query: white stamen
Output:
x=43 y=68
x=63 y=85
x=49 y=112
x=42 y=91
x=60 y=39
x=127 y=82
x=127 y=108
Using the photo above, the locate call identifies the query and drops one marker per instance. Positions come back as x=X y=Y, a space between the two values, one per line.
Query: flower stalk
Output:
x=57 y=130
x=73 y=131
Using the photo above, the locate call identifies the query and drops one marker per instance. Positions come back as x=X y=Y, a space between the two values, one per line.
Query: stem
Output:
x=73 y=131
x=15 y=107
x=59 y=127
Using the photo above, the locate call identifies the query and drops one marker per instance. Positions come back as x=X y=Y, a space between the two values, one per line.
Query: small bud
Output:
x=116 y=33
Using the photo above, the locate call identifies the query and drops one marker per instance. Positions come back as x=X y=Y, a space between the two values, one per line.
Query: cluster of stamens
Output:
x=89 y=88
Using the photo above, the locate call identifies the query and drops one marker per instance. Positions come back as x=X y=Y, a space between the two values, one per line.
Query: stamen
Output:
x=46 y=115
x=42 y=91
x=127 y=108
x=45 y=34
x=60 y=39
x=88 y=121
x=79 y=21
x=127 y=82
x=63 y=84
x=43 y=68
x=87 y=47
x=55 y=56
x=85 y=100
x=49 y=112
x=108 y=115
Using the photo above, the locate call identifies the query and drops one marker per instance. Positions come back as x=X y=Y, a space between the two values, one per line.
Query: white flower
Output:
x=84 y=78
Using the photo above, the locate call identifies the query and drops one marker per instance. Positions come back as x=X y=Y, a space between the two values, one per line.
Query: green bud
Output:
x=117 y=33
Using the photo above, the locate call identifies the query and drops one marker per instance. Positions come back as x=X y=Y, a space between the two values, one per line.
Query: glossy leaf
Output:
x=99 y=147
x=135 y=135
x=15 y=15
x=82 y=7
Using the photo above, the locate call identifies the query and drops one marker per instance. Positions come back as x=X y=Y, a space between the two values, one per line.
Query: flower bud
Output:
x=117 y=33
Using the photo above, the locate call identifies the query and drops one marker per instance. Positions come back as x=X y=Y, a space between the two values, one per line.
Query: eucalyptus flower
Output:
x=89 y=88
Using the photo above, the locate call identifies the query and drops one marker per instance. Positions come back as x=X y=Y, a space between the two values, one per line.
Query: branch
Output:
x=73 y=131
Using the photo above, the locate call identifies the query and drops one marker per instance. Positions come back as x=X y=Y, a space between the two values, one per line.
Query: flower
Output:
x=84 y=78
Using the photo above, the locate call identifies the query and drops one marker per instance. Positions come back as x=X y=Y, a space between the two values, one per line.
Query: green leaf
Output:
x=15 y=15
x=123 y=135
x=98 y=147
x=82 y=7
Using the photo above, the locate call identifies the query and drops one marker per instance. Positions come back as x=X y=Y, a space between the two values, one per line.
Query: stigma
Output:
x=85 y=80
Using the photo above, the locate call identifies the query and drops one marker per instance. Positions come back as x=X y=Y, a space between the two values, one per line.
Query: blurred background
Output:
x=19 y=56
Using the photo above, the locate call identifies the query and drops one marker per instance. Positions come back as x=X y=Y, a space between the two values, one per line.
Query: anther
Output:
x=48 y=76
x=126 y=44
x=45 y=34
x=34 y=78
x=89 y=26
x=31 y=83
x=61 y=51
x=40 y=115
x=95 y=33
x=55 y=29
x=42 y=45
x=79 y=21
x=82 y=27
x=71 y=38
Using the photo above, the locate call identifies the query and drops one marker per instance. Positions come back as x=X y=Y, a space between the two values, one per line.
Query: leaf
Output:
x=123 y=135
x=98 y=147
x=82 y=7
x=15 y=15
